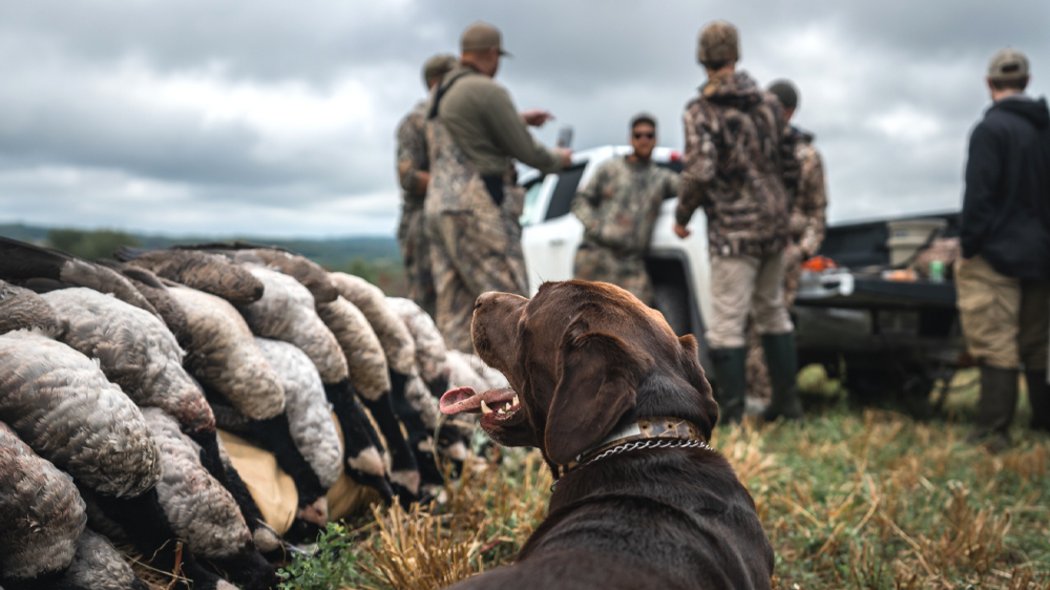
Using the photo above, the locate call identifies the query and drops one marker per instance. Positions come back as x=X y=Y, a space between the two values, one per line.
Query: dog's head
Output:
x=580 y=357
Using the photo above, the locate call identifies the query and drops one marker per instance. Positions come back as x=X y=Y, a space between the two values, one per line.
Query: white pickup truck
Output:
x=896 y=338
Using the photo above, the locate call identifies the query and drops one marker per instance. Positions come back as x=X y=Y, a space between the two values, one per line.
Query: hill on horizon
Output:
x=333 y=253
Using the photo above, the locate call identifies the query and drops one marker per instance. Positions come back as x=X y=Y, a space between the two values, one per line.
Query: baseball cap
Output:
x=718 y=44
x=481 y=35
x=1008 y=64
x=785 y=92
x=437 y=66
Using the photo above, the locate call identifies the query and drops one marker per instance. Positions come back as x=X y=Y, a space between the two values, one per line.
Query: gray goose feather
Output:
x=22 y=262
x=200 y=510
x=286 y=312
x=360 y=345
x=309 y=414
x=99 y=566
x=312 y=275
x=204 y=271
x=155 y=291
x=60 y=403
x=395 y=338
x=430 y=344
x=23 y=309
x=225 y=357
x=135 y=350
x=41 y=512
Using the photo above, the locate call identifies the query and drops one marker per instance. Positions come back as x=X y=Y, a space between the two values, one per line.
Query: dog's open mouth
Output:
x=494 y=405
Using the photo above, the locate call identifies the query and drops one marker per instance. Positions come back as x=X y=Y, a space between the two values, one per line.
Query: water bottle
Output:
x=937 y=271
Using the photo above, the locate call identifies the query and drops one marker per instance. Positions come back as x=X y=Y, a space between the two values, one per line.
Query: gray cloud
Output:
x=273 y=117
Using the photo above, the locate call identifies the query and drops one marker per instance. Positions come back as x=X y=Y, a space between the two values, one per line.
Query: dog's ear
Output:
x=597 y=381
x=694 y=373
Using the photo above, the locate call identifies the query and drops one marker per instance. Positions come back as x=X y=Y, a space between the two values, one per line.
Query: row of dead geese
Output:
x=115 y=376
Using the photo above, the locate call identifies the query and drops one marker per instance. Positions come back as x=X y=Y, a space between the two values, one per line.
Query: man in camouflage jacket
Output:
x=618 y=209
x=807 y=223
x=413 y=172
x=735 y=165
x=473 y=207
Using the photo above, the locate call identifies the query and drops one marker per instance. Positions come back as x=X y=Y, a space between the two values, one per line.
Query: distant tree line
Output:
x=383 y=271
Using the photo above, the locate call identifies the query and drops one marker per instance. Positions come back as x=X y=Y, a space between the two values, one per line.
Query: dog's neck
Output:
x=646 y=433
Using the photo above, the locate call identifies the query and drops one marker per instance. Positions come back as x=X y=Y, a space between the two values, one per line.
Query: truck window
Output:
x=565 y=190
x=532 y=196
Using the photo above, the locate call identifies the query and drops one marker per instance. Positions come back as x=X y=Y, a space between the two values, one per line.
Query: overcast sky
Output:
x=277 y=118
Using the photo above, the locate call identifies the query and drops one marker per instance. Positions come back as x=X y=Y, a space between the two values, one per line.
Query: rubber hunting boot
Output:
x=730 y=379
x=782 y=361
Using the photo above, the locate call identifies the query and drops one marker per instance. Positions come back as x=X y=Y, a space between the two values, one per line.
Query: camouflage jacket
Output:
x=736 y=161
x=412 y=156
x=808 y=197
x=620 y=203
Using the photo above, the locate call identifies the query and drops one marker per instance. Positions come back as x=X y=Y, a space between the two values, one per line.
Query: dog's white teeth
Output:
x=501 y=411
x=514 y=401
x=485 y=409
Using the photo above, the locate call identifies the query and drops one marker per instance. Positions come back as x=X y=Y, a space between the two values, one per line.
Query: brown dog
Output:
x=621 y=411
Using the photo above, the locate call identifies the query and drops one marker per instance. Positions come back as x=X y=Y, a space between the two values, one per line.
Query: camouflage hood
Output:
x=737 y=90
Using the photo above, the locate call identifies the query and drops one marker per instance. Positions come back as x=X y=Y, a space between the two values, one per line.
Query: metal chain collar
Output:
x=638 y=445
x=651 y=443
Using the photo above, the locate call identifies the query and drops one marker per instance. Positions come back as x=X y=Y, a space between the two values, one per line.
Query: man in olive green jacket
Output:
x=472 y=206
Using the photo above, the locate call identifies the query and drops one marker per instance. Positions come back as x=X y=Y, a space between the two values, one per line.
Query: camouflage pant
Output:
x=594 y=263
x=473 y=252
x=758 y=386
x=415 y=252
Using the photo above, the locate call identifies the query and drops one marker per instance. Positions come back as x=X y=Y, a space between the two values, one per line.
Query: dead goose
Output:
x=156 y=292
x=304 y=270
x=287 y=312
x=309 y=414
x=395 y=338
x=61 y=404
x=135 y=350
x=201 y=511
x=316 y=461
x=430 y=344
x=23 y=309
x=199 y=270
x=225 y=358
x=98 y=565
x=423 y=389
x=45 y=543
x=42 y=269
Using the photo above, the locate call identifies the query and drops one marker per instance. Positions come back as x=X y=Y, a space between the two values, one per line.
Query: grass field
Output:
x=849 y=499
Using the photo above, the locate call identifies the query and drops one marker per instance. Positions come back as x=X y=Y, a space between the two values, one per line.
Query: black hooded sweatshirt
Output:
x=1006 y=206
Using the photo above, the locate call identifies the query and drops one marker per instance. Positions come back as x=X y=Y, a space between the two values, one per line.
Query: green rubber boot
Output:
x=783 y=373
x=731 y=382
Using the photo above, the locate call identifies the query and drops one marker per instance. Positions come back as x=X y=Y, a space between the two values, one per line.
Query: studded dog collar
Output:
x=648 y=433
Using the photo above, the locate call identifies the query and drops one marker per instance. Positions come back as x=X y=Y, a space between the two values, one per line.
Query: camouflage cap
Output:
x=437 y=66
x=785 y=92
x=1008 y=64
x=479 y=36
x=719 y=44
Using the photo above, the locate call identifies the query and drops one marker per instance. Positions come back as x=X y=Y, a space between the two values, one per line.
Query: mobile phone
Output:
x=565 y=137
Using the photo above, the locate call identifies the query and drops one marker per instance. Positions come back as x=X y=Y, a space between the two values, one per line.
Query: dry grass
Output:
x=849 y=500
x=486 y=518
x=868 y=499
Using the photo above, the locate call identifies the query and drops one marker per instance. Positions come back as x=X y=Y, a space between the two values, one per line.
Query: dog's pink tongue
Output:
x=459 y=400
